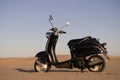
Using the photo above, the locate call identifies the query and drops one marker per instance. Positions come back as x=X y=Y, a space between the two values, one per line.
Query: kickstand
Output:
x=82 y=70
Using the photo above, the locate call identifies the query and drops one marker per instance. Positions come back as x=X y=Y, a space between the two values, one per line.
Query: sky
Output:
x=24 y=23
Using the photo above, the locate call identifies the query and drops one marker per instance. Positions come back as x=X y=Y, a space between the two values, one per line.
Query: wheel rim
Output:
x=99 y=67
x=41 y=66
x=96 y=68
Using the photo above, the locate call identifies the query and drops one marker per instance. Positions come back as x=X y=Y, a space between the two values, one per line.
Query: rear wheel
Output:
x=40 y=65
x=96 y=63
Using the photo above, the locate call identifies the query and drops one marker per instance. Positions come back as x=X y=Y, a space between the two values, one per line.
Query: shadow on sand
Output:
x=25 y=70
x=32 y=70
x=63 y=70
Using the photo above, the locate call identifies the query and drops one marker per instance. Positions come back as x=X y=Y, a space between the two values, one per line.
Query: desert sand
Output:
x=22 y=69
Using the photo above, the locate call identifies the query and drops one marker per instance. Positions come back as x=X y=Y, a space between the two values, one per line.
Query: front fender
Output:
x=42 y=55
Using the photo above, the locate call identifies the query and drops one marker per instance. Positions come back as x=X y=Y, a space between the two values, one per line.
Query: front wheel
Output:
x=96 y=63
x=40 y=65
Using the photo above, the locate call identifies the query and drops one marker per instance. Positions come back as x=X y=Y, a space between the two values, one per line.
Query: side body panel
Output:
x=87 y=48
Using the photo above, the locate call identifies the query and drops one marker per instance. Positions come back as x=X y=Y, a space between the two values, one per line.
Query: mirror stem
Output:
x=51 y=22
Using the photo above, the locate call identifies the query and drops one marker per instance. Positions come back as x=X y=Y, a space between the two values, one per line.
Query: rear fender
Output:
x=100 y=47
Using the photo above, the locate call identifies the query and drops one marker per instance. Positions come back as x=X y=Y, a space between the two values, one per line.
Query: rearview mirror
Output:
x=50 y=17
x=68 y=23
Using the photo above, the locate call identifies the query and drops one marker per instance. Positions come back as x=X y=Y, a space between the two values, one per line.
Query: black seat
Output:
x=77 y=41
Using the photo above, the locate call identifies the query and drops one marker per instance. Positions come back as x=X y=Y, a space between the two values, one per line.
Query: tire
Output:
x=98 y=67
x=40 y=65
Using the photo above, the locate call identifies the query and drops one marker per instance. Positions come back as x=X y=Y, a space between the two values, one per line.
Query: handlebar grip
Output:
x=64 y=32
x=61 y=32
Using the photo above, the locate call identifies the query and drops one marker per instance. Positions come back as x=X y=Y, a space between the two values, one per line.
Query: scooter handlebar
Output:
x=62 y=32
x=56 y=30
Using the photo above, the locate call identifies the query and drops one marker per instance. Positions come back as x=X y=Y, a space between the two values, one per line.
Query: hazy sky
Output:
x=24 y=23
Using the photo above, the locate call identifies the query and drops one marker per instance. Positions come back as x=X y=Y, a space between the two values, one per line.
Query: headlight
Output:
x=48 y=34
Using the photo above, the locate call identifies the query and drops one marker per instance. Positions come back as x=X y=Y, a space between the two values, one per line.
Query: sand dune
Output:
x=22 y=69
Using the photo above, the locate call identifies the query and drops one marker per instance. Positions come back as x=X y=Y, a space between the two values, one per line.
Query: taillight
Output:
x=104 y=44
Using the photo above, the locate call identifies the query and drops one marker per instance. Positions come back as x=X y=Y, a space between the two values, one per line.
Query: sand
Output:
x=22 y=69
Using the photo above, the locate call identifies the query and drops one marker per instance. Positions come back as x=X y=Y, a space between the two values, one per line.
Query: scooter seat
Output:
x=77 y=41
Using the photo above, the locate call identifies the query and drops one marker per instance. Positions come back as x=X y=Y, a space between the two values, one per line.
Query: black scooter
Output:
x=85 y=53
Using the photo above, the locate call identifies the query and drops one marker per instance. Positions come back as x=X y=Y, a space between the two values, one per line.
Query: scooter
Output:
x=85 y=53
